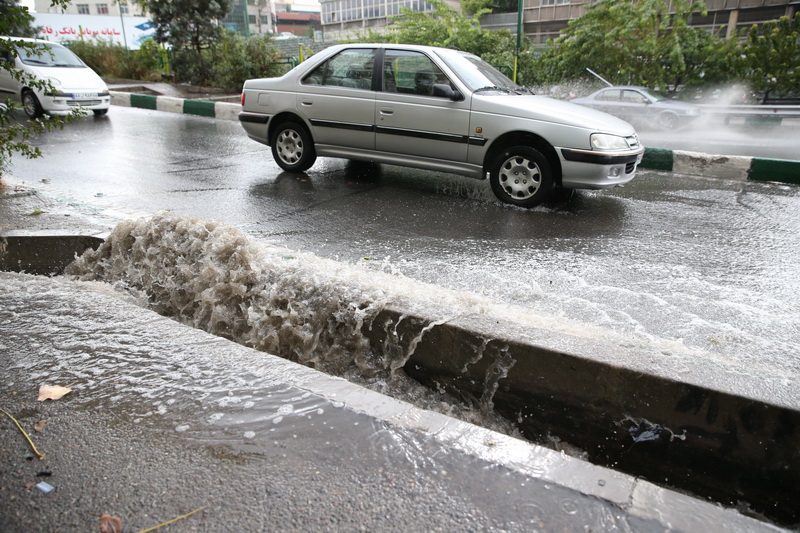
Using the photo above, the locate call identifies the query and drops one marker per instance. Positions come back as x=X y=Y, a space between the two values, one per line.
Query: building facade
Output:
x=115 y=8
x=346 y=19
x=544 y=19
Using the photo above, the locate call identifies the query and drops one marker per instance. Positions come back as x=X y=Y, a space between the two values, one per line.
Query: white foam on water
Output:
x=313 y=310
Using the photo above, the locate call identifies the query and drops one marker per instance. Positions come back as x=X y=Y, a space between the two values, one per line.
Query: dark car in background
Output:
x=641 y=106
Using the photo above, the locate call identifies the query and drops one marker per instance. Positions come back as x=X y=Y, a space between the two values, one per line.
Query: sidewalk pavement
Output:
x=164 y=419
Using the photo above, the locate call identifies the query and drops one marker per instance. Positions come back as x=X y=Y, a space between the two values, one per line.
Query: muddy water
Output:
x=298 y=306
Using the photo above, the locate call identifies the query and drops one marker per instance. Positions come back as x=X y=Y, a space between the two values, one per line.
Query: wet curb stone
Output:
x=682 y=162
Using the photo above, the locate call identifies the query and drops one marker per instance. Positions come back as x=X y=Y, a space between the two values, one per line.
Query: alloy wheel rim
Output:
x=290 y=147
x=520 y=177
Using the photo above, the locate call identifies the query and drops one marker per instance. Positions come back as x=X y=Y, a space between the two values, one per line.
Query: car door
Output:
x=634 y=105
x=409 y=118
x=338 y=101
x=9 y=87
x=608 y=101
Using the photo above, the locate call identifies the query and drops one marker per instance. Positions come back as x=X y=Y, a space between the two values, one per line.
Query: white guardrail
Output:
x=777 y=111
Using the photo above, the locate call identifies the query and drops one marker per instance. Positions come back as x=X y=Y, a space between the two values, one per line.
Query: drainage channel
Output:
x=699 y=438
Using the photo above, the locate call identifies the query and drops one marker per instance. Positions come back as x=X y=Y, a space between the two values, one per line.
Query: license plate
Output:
x=83 y=96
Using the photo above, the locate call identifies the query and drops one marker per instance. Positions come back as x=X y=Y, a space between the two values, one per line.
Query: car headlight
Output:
x=604 y=141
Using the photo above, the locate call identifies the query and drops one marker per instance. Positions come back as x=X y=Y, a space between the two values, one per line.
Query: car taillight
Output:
x=242 y=99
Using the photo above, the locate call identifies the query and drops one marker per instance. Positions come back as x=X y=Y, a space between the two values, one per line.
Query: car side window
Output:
x=349 y=68
x=609 y=96
x=410 y=73
x=632 y=97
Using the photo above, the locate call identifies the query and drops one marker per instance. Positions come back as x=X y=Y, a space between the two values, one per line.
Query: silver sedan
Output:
x=436 y=109
x=642 y=106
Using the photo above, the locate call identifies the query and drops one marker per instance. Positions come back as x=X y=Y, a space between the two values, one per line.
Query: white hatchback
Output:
x=436 y=109
x=74 y=84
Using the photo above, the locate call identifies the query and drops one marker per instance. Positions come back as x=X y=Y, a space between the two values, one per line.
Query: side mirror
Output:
x=444 y=90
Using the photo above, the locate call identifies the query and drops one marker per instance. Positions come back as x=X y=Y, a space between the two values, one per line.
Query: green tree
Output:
x=237 y=58
x=189 y=26
x=648 y=42
x=770 y=57
x=450 y=28
x=15 y=20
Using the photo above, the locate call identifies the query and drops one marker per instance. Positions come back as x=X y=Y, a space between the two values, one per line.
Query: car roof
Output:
x=29 y=40
x=393 y=46
x=618 y=87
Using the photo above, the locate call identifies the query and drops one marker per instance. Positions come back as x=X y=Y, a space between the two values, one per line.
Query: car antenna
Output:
x=598 y=76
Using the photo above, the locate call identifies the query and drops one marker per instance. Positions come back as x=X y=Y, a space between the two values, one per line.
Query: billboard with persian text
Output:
x=127 y=31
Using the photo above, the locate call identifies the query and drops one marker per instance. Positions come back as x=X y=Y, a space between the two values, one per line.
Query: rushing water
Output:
x=295 y=305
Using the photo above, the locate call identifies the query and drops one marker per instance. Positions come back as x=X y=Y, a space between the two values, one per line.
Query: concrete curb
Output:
x=692 y=163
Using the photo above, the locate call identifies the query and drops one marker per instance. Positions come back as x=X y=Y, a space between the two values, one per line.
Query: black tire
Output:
x=522 y=176
x=293 y=148
x=100 y=112
x=668 y=121
x=31 y=104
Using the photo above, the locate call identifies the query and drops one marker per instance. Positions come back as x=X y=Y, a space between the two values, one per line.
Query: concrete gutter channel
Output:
x=695 y=435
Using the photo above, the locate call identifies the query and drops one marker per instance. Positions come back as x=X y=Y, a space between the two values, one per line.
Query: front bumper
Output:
x=63 y=103
x=584 y=169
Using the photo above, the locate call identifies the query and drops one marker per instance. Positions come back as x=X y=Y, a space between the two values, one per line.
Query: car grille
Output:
x=630 y=167
x=76 y=103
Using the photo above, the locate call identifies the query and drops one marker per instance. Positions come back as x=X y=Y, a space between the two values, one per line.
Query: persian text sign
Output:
x=61 y=28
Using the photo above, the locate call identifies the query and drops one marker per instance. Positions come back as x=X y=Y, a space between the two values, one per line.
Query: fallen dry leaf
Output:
x=52 y=392
x=110 y=524
x=39 y=426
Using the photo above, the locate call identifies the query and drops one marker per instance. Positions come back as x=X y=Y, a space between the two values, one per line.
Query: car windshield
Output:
x=44 y=55
x=479 y=75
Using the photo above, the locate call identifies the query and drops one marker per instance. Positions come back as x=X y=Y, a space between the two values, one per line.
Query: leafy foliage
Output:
x=16 y=20
x=770 y=57
x=14 y=135
x=648 y=42
x=448 y=28
x=236 y=59
x=189 y=26
x=113 y=60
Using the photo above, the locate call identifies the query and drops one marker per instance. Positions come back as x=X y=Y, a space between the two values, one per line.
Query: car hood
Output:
x=550 y=110
x=72 y=78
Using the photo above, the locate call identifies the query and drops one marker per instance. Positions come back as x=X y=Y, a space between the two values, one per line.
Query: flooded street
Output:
x=690 y=279
x=694 y=267
x=164 y=417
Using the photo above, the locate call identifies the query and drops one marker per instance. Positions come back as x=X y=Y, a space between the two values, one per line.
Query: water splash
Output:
x=295 y=305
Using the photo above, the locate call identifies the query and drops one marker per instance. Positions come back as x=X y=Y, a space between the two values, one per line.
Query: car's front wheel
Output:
x=293 y=148
x=668 y=121
x=522 y=176
x=31 y=104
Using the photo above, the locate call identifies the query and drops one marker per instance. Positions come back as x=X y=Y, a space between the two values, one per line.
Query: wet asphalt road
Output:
x=698 y=267
x=164 y=419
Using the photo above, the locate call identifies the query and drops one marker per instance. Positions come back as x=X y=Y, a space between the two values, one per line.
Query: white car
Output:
x=436 y=109
x=74 y=84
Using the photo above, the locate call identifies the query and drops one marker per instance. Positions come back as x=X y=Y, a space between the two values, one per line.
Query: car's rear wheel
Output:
x=31 y=104
x=293 y=148
x=522 y=176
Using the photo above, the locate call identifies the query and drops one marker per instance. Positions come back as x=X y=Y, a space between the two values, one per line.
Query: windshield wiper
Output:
x=493 y=88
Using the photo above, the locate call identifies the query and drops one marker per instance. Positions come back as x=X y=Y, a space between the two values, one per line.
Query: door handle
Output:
x=306 y=102
x=387 y=110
